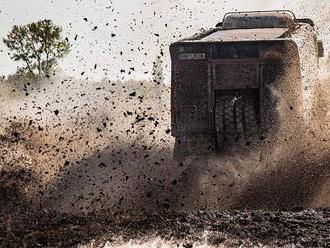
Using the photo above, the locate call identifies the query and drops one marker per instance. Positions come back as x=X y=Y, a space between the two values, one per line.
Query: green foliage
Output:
x=39 y=45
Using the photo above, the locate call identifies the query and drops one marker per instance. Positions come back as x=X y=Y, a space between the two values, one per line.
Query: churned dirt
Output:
x=307 y=228
x=89 y=164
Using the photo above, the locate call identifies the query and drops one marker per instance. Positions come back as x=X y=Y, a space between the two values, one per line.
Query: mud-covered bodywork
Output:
x=223 y=80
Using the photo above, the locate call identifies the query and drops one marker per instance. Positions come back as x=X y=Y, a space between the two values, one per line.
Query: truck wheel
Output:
x=239 y=119
x=235 y=120
x=229 y=120
x=225 y=121
x=250 y=117
x=219 y=122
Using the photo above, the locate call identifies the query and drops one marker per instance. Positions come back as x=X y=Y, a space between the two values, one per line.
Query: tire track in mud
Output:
x=307 y=228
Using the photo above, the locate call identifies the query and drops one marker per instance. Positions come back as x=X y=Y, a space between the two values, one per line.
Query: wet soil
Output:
x=308 y=228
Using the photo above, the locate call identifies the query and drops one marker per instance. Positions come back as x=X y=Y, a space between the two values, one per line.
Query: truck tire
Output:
x=239 y=119
x=235 y=120
x=219 y=123
x=229 y=120
x=225 y=121
x=250 y=117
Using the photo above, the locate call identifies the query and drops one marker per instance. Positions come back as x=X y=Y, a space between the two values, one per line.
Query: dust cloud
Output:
x=80 y=147
x=105 y=146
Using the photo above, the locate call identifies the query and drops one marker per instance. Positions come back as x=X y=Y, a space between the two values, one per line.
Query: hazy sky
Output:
x=141 y=28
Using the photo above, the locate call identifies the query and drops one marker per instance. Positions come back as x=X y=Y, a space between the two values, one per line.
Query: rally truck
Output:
x=242 y=80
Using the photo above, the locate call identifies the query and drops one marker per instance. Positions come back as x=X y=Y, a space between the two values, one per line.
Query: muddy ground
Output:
x=309 y=228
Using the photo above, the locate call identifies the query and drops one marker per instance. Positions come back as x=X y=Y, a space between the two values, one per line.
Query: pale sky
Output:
x=140 y=26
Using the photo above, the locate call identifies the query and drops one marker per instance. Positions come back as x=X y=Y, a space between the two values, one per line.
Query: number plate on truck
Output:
x=192 y=56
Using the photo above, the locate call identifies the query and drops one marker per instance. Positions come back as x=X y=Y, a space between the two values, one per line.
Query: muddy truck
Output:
x=228 y=83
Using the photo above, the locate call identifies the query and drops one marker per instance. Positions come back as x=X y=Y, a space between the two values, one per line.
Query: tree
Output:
x=39 y=45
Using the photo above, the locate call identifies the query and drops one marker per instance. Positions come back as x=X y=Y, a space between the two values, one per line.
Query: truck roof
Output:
x=246 y=34
x=258 y=19
x=251 y=26
x=232 y=35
